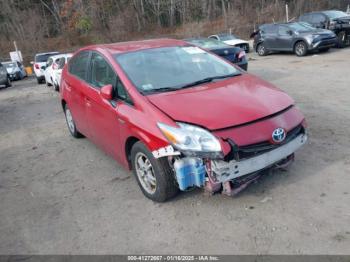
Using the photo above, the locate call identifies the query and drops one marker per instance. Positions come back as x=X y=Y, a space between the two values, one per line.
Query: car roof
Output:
x=60 y=55
x=125 y=47
x=8 y=62
x=47 y=53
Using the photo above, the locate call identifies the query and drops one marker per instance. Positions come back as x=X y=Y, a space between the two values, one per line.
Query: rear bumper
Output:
x=226 y=171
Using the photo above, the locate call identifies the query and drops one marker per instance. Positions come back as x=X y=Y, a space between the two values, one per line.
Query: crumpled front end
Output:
x=247 y=150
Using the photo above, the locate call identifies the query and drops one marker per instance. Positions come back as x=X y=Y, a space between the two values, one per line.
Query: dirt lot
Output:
x=61 y=195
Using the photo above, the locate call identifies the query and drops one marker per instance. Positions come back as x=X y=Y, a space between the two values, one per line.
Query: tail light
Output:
x=36 y=66
x=241 y=55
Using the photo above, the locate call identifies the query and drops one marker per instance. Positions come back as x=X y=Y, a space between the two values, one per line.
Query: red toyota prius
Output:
x=178 y=116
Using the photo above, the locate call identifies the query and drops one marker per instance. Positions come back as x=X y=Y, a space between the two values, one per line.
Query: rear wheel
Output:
x=39 y=80
x=70 y=123
x=261 y=50
x=300 y=49
x=57 y=88
x=154 y=176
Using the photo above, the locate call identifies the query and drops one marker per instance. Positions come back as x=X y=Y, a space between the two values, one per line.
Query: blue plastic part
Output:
x=189 y=172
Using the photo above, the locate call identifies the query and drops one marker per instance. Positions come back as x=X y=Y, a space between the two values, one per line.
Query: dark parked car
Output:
x=4 y=77
x=337 y=21
x=233 y=54
x=298 y=37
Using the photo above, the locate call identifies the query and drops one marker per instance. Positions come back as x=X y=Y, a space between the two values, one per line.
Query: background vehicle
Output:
x=15 y=70
x=297 y=37
x=39 y=65
x=57 y=72
x=52 y=66
x=337 y=21
x=235 y=55
x=4 y=79
x=170 y=111
x=232 y=40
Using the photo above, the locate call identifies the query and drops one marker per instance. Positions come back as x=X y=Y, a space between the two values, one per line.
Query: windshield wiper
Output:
x=202 y=81
x=208 y=80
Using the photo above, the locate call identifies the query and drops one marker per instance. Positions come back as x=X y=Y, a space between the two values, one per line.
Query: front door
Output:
x=102 y=114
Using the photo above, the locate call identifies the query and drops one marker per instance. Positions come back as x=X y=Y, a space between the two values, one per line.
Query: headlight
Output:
x=192 y=140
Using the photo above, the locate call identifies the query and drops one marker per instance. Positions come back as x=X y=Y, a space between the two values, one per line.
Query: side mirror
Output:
x=107 y=92
x=290 y=32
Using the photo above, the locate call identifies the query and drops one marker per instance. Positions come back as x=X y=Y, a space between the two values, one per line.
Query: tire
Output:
x=300 y=48
x=261 y=49
x=57 y=88
x=47 y=83
x=8 y=83
x=163 y=185
x=324 y=50
x=39 y=80
x=70 y=123
x=341 y=39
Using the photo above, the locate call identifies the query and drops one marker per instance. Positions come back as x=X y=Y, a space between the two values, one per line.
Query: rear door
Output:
x=284 y=40
x=76 y=88
x=269 y=34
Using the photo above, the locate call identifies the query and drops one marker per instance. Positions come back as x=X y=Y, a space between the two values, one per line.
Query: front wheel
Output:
x=341 y=39
x=70 y=123
x=8 y=83
x=154 y=176
x=300 y=49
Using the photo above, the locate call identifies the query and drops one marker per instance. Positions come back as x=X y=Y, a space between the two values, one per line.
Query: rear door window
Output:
x=43 y=58
x=78 y=65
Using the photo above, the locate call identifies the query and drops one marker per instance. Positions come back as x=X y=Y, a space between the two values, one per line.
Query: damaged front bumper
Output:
x=226 y=171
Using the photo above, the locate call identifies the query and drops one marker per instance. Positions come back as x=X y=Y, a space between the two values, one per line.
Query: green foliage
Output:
x=84 y=25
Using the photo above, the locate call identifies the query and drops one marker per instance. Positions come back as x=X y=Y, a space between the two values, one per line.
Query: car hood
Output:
x=322 y=32
x=12 y=70
x=344 y=19
x=225 y=103
x=235 y=42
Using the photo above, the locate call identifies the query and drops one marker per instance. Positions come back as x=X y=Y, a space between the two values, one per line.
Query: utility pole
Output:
x=17 y=53
x=287 y=13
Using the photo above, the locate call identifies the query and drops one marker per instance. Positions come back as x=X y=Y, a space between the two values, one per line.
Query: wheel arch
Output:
x=129 y=143
x=298 y=41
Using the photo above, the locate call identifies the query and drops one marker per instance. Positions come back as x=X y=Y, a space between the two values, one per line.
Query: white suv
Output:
x=39 y=65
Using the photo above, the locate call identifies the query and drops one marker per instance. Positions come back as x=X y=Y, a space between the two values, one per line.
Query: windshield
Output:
x=208 y=43
x=172 y=67
x=300 y=27
x=9 y=65
x=227 y=37
x=335 y=14
x=43 y=57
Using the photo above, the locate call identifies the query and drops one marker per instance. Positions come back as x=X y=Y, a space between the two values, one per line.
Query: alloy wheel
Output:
x=70 y=121
x=145 y=173
x=300 y=49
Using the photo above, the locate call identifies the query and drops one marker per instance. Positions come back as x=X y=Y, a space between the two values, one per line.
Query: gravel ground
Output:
x=61 y=195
